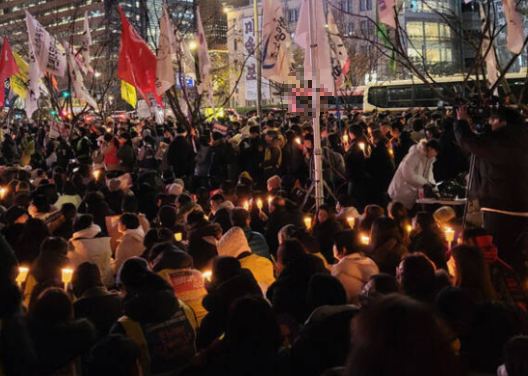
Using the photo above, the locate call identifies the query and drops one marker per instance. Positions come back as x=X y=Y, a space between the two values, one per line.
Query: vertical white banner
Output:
x=49 y=54
x=386 y=13
x=250 y=70
x=515 y=26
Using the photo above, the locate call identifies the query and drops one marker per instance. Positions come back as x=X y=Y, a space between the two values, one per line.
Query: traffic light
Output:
x=65 y=94
x=53 y=113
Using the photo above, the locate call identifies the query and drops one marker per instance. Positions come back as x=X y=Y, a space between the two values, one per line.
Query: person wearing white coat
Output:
x=354 y=269
x=88 y=243
x=131 y=244
x=414 y=172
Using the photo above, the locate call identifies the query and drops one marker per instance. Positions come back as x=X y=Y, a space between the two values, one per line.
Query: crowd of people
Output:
x=131 y=248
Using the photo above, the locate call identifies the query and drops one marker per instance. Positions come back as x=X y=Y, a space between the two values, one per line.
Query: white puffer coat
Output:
x=415 y=171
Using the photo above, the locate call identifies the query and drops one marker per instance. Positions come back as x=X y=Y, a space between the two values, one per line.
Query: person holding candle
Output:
x=234 y=243
x=46 y=270
x=59 y=340
x=429 y=239
x=386 y=245
x=354 y=269
x=355 y=162
x=326 y=226
x=257 y=241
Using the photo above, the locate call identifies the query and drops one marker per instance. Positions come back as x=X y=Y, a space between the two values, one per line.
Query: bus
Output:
x=351 y=99
x=404 y=94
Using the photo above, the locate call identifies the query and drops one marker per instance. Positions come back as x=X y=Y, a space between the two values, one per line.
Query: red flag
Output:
x=8 y=67
x=137 y=63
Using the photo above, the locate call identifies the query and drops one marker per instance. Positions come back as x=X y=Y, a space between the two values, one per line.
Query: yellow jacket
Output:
x=261 y=268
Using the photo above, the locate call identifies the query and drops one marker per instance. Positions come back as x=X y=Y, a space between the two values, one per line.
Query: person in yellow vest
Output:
x=234 y=243
x=176 y=267
x=163 y=327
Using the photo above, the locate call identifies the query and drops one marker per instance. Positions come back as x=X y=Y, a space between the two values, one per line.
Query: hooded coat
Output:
x=91 y=245
x=415 y=171
x=131 y=245
x=354 y=271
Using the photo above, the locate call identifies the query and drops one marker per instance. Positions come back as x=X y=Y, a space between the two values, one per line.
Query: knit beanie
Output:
x=233 y=243
x=444 y=214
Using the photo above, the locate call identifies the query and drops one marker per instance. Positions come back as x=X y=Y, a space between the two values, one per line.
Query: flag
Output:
x=515 y=26
x=203 y=60
x=137 y=63
x=86 y=43
x=184 y=56
x=8 y=67
x=386 y=13
x=276 y=54
x=32 y=86
x=338 y=51
x=383 y=35
x=164 y=69
x=49 y=55
x=322 y=49
x=128 y=93
x=488 y=51
x=18 y=80
x=77 y=80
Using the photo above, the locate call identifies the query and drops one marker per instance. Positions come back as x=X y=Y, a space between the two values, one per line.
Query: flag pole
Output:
x=258 y=58
x=317 y=153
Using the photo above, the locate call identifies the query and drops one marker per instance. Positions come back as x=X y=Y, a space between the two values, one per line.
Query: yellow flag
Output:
x=18 y=81
x=128 y=93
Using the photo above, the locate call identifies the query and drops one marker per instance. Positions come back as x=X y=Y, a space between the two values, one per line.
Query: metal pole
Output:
x=257 y=57
x=317 y=153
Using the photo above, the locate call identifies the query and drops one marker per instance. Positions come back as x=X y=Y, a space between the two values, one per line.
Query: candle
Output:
x=22 y=275
x=345 y=138
x=365 y=239
x=206 y=217
x=3 y=192
x=449 y=234
x=96 y=174
x=178 y=236
x=351 y=222
x=308 y=222
x=207 y=275
x=409 y=229
x=298 y=140
x=246 y=205
x=108 y=129
x=391 y=152
x=67 y=275
x=362 y=146
x=269 y=201
x=259 y=204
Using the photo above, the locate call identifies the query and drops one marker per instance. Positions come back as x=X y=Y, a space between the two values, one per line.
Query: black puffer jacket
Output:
x=501 y=167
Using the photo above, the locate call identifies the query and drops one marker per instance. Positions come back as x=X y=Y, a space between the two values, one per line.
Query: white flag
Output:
x=164 y=69
x=86 y=43
x=203 y=60
x=515 y=27
x=50 y=56
x=276 y=54
x=184 y=56
x=339 y=52
x=77 y=80
x=32 y=84
x=386 y=13
x=322 y=50
x=488 y=51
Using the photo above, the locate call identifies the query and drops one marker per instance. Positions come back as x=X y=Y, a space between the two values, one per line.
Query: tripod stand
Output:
x=310 y=191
